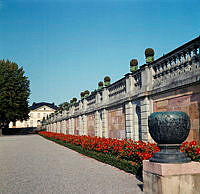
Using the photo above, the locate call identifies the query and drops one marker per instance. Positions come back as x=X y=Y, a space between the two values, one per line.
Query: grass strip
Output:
x=102 y=157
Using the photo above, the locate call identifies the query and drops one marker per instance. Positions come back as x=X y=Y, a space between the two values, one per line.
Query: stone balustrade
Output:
x=117 y=90
x=76 y=107
x=91 y=101
x=124 y=106
x=177 y=64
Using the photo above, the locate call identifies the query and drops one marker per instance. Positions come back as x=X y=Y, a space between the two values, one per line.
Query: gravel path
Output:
x=32 y=164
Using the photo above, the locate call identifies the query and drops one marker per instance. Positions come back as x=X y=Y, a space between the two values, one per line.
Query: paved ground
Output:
x=32 y=164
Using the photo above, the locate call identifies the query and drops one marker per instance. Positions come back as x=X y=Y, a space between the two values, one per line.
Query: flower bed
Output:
x=192 y=149
x=124 y=154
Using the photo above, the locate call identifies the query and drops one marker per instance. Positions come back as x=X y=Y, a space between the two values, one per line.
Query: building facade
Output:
x=38 y=112
x=121 y=110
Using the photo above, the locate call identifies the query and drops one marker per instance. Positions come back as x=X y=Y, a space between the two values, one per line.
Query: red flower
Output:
x=193 y=143
x=133 y=151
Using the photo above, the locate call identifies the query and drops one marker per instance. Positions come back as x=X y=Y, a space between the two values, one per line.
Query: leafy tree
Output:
x=14 y=94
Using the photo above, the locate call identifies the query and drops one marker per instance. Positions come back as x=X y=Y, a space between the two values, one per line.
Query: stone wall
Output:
x=186 y=100
x=91 y=124
x=121 y=110
x=116 y=123
x=67 y=126
x=76 y=126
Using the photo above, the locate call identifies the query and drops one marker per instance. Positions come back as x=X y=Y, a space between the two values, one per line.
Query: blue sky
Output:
x=68 y=46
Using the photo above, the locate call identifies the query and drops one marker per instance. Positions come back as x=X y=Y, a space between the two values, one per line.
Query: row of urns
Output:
x=149 y=55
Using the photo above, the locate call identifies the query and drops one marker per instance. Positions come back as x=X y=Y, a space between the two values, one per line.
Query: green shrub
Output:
x=107 y=79
x=133 y=62
x=149 y=52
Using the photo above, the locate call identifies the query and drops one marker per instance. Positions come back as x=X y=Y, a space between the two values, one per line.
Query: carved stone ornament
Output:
x=169 y=130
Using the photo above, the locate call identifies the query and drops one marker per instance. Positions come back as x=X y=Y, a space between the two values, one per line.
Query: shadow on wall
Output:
x=138 y=112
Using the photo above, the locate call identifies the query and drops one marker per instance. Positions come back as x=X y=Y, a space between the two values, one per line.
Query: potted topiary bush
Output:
x=87 y=93
x=106 y=81
x=74 y=99
x=100 y=85
x=149 y=54
x=94 y=92
x=133 y=65
x=82 y=94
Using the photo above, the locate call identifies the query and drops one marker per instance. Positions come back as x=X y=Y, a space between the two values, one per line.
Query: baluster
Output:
x=163 y=68
x=178 y=59
x=154 y=71
x=138 y=84
x=194 y=51
x=169 y=66
x=174 y=61
x=140 y=81
x=166 y=66
x=183 y=59
x=162 y=65
x=158 y=70
x=137 y=80
x=188 y=54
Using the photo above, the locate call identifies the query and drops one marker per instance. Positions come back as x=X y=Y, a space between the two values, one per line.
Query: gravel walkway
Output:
x=32 y=164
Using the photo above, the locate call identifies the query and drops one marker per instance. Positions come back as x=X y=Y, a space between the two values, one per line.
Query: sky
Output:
x=68 y=46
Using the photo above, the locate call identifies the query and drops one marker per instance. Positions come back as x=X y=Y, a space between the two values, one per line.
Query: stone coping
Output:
x=165 y=169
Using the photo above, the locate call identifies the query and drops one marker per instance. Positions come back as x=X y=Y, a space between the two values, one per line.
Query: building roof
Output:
x=40 y=104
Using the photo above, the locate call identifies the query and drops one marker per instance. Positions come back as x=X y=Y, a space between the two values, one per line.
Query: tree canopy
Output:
x=14 y=93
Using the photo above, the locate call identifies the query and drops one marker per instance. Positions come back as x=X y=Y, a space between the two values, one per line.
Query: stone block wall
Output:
x=76 y=126
x=67 y=126
x=121 y=110
x=91 y=124
x=186 y=100
x=116 y=123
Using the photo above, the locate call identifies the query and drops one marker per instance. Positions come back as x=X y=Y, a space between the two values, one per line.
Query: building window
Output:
x=44 y=115
x=38 y=122
x=38 y=114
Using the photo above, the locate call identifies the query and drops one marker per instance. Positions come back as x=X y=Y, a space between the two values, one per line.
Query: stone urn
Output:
x=107 y=81
x=133 y=65
x=169 y=130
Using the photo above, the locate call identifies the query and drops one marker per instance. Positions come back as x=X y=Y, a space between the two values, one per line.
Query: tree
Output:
x=14 y=94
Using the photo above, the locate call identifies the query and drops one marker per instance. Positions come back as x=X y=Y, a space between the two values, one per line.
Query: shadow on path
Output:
x=19 y=131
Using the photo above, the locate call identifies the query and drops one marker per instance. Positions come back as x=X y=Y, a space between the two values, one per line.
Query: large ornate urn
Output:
x=169 y=130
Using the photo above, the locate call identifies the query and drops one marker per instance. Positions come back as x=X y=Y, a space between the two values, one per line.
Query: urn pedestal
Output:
x=170 y=171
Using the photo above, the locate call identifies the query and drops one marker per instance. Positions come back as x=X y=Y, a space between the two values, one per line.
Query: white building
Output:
x=38 y=111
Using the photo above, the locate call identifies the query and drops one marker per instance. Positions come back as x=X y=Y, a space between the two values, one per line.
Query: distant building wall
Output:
x=35 y=118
